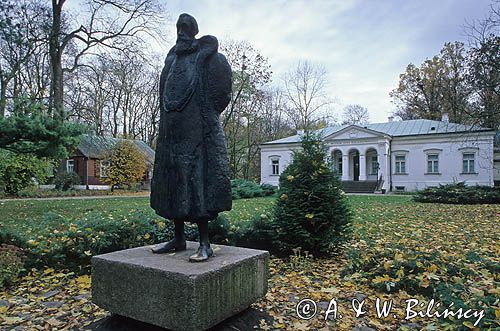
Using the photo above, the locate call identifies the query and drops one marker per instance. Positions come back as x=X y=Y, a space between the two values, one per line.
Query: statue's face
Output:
x=186 y=29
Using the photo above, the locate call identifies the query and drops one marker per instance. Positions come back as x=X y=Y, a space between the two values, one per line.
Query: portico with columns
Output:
x=359 y=155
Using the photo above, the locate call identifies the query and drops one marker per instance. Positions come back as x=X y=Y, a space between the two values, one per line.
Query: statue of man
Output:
x=191 y=172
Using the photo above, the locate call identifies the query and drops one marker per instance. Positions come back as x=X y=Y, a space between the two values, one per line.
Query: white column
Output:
x=384 y=164
x=345 y=167
x=362 y=167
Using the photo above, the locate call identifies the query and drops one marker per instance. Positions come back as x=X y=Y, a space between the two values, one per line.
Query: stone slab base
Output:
x=169 y=291
x=249 y=319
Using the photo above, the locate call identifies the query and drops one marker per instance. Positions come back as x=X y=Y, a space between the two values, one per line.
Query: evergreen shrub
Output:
x=459 y=193
x=244 y=189
x=311 y=210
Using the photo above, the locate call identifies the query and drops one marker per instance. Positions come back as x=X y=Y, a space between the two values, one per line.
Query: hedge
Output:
x=459 y=194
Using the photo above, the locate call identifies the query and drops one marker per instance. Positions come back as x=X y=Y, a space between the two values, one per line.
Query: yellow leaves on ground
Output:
x=83 y=282
x=49 y=300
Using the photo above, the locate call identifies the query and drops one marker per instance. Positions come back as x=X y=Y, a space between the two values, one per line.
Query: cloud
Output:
x=364 y=45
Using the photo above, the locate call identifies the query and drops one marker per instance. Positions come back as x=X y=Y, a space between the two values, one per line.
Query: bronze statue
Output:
x=191 y=172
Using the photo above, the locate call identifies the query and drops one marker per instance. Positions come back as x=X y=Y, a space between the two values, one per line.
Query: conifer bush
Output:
x=311 y=210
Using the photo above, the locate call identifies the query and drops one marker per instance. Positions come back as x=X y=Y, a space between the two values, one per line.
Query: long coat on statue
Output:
x=191 y=171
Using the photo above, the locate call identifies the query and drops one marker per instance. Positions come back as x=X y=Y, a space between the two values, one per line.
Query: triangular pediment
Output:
x=355 y=132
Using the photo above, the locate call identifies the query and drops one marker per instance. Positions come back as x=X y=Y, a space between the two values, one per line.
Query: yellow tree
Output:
x=127 y=164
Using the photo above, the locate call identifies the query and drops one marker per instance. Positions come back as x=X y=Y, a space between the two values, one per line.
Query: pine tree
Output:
x=311 y=211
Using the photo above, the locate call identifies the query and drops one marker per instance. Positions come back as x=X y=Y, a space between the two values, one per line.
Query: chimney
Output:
x=300 y=132
x=445 y=118
x=390 y=118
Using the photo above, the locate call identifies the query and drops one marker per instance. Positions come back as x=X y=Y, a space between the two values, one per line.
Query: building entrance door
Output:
x=355 y=160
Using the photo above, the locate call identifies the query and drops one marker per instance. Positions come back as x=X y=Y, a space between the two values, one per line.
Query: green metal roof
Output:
x=394 y=129
x=98 y=147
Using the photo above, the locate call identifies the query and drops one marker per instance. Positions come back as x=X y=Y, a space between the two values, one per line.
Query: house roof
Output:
x=98 y=147
x=394 y=129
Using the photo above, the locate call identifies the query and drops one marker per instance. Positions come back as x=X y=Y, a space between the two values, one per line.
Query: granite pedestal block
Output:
x=169 y=291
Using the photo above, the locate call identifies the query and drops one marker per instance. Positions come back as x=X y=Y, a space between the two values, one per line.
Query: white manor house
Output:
x=397 y=155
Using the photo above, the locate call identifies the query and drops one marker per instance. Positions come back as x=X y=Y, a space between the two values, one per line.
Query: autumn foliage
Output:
x=127 y=164
x=311 y=211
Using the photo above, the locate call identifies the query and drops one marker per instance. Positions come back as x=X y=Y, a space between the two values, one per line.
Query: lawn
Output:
x=24 y=213
x=400 y=250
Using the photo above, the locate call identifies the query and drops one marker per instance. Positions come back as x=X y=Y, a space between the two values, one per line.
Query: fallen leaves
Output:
x=49 y=300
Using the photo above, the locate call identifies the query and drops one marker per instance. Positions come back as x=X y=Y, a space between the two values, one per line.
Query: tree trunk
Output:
x=3 y=97
x=56 y=105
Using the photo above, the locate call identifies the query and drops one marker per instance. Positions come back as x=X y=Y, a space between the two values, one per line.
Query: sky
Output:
x=363 y=44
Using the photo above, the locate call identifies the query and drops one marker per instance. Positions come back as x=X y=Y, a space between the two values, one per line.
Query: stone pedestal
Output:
x=169 y=291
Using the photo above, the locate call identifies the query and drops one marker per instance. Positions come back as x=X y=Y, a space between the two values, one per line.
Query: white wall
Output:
x=267 y=153
x=450 y=149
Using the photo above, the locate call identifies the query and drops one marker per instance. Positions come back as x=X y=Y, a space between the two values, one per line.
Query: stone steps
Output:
x=351 y=186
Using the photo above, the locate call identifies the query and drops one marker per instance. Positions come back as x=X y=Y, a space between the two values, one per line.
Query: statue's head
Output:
x=187 y=28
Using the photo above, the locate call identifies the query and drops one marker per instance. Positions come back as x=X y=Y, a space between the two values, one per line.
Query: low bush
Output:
x=49 y=193
x=12 y=260
x=258 y=233
x=65 y=180
x=268 y=189
x=242 y=188
x=459 y=194
x=56 y=241
x=218 y=230
x=18 y=172
x=429 y=273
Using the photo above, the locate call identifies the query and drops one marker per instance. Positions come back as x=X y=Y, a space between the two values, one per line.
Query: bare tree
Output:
x=275 y=124
x=355 y=114
x=305 y=90
x=484 y=67
x=22 y=35
x=107 y=23
x=480 y=30
x=250 y=72
x=116 y=95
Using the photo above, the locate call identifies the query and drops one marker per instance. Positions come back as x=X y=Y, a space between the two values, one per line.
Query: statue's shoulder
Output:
x=170 y=54
x=208 y=44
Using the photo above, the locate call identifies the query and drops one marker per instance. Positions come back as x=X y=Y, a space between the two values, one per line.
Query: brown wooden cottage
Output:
x=90 y=163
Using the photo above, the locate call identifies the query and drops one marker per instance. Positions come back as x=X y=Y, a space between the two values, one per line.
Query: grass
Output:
x=25 y=215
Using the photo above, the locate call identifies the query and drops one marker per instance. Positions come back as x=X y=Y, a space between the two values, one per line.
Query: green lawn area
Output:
x=17 y=212
x=400 y=250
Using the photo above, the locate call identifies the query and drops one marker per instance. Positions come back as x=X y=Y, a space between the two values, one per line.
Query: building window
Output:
x=70 y=165
x=103 y=168
x=275 y=164
x=374 y=165
x=432 y=163
x=468 y=163
x=339 y=165
x=400 y=164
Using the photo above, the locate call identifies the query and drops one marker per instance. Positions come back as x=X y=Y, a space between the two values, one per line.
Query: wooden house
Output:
x=90 y=162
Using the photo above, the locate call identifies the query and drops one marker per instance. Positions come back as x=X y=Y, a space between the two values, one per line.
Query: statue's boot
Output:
x=173 y=245
x=202 y=254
